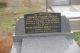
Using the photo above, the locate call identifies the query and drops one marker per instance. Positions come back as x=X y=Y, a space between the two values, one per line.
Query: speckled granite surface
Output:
x=52 y=44
x=56 y=44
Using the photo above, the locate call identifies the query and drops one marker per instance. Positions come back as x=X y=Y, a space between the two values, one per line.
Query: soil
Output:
x=6 y=41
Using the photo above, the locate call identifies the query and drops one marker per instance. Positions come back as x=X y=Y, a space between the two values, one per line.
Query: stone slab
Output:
x=20 y=27
x=50 y=44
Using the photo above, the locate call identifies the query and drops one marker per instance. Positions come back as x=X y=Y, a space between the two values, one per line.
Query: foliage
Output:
x=76 y=36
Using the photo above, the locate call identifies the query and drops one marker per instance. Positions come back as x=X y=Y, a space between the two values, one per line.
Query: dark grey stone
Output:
x=20 y=28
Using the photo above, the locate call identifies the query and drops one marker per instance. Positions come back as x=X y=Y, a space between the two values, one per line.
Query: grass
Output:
x=9 y=16
x=76 y=36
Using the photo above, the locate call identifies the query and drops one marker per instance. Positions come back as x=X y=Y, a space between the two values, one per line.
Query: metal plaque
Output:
x=42 y=22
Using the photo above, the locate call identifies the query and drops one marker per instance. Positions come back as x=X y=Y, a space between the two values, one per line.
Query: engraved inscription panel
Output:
x=42 y=23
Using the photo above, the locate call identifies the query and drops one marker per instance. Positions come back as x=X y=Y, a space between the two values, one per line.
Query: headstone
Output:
x=20 y=28
x=56 y=42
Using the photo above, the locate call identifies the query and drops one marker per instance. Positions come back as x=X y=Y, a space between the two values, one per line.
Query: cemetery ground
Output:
x=9 y=16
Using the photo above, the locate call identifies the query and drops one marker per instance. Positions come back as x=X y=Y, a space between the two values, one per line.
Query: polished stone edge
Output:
x=42 y=35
